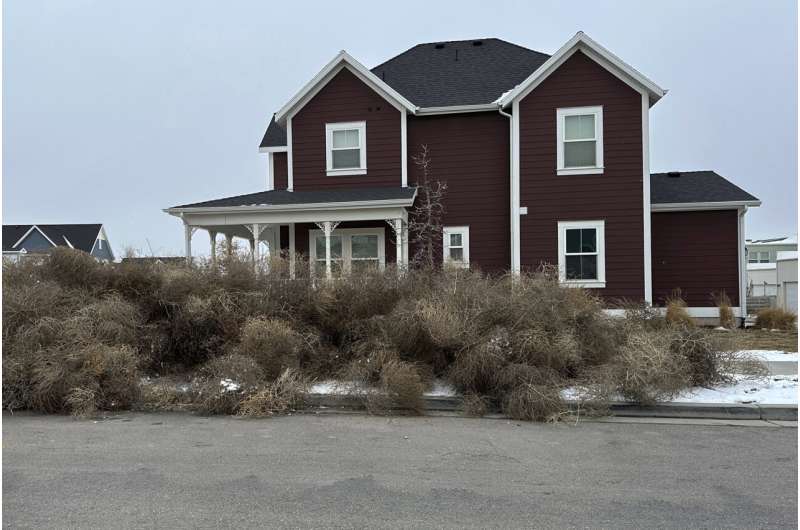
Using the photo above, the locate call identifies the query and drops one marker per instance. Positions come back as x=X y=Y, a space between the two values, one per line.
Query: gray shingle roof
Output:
x=694 y=186
x=466 y=72
x=283 y=197
x=82 y=236
x=275 y=136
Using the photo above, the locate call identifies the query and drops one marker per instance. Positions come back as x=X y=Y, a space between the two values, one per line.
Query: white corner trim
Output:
x=561 y=115
x=582 y=42
x=270 y=172
x=403 y=149
x=742 y=261
x=31 y=229
x=289 y=157
x=516 y=247
x=326 y=74
x=646 y=214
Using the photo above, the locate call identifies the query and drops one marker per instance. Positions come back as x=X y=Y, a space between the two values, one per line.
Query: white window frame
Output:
x=600 y=227
x=464 y=231
x=361 y=127
x=347 y=249
x=561 y=115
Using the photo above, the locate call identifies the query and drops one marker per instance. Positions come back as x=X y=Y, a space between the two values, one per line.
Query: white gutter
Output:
x=293 y=207
x=694 y=206
x=514 y=193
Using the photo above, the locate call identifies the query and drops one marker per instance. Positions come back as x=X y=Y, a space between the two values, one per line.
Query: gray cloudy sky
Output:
x=113 y=110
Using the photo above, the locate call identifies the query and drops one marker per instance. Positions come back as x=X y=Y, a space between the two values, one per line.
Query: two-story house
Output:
x=35 y=241
x=545 y=157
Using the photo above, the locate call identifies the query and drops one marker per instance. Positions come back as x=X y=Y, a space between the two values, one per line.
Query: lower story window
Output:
x=455 y=245
x=352 y=250
x=581 y=253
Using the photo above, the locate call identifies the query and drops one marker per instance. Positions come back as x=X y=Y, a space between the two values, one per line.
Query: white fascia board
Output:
x=582 y=42
x=696 y=206
x=456 y=109
x=274 y=149
x=402 y=203
x=272 y=217
x=31 y=229
x=327 y=72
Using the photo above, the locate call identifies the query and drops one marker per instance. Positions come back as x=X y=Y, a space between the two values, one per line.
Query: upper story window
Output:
x=582 y=253
x=346 y=148
x=455 y=245
x=580 y=140
x=758 y=256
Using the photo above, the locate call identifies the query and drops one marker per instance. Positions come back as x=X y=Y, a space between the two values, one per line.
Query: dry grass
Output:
x=285 y=394
x=274 y=344
x=761 y=339
x=677 y=313
x=775 y=318
x=400 y=389
x=726 y=318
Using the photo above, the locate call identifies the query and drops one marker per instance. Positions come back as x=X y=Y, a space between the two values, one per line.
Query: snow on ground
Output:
x=439 y=389
x=771 y=355
x=229 y=385
x=770 y=390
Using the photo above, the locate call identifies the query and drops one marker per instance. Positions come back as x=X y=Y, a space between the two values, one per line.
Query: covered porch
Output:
x=338 y=230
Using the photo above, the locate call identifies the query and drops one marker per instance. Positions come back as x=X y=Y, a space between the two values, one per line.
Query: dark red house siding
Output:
x=615 y=196
x=279 y=164
x=469 y=152
x=698 y=253
x=345 y=98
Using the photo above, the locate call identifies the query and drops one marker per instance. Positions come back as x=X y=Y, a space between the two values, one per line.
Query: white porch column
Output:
x=188 y=231
x=328 y=230
x=401 y=260
x=256 y=229
x=291 y=251
x=212 y=235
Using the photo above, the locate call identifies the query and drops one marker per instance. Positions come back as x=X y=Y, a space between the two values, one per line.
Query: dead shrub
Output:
x=114 y=369
x=677 y=314
x=776 y=318
x=16 y=383
x=401 y=388
x=111 y=320
x=726 y=318
x=81 y=402
x=535 y=402
x=274 y=344
x=648 y=371
x=475 y=405
x=225 y=381
x=75 y=269
x=283 y=395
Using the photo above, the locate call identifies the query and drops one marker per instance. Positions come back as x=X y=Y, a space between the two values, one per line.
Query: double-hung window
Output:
x=346 y=148
x=581 y=253
x=579 y=140
x=455 y=245
x=758 y=257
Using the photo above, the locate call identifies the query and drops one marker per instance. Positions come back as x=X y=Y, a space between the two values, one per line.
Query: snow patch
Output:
x=772 y=390
x=770 y=355
x=229 y=385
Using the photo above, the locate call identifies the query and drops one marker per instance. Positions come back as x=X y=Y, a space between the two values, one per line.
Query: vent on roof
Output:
x=477 y=43
x=674 y=174
x=439 y=46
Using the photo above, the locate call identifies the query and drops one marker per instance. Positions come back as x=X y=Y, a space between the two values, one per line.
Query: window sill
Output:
x=457 y=264
x=587 y=284
x=581 y=171
x=338 y=172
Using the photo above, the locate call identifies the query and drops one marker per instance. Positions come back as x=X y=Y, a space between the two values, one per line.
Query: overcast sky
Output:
x=113 y=110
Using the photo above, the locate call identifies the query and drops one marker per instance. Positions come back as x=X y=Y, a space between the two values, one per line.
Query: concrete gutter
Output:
x=720 y=411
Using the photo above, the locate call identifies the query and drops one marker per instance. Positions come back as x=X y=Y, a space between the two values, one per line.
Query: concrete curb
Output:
x=718 y=411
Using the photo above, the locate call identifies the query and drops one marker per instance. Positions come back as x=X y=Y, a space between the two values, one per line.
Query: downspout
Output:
x=513 y=208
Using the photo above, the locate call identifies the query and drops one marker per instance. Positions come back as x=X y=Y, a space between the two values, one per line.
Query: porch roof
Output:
x=298 y=199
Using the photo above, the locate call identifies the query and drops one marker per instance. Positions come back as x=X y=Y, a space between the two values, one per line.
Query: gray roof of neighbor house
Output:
x=81 y=236
x=289 y=198
x=445 y=74
x=694 y=186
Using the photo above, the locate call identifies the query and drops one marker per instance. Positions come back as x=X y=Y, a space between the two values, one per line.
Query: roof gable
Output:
x=342 y=60
x=582 y=42
x=80 y=236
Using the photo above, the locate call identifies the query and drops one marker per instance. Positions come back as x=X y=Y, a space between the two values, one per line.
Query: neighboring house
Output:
x=546 y=160
x=786 y=262
x=766 y=250
x=155 y=260
x=24 y=241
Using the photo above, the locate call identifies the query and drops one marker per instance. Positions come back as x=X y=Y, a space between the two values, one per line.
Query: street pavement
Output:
x=183 y=471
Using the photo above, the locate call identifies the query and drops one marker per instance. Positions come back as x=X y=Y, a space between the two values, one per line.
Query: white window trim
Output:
x=464 y=231
x=561 y=115
x=361 y=126
x=600 y=227
x=347 y=250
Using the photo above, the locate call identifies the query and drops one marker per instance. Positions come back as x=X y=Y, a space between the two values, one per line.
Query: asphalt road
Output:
x=178 y=471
